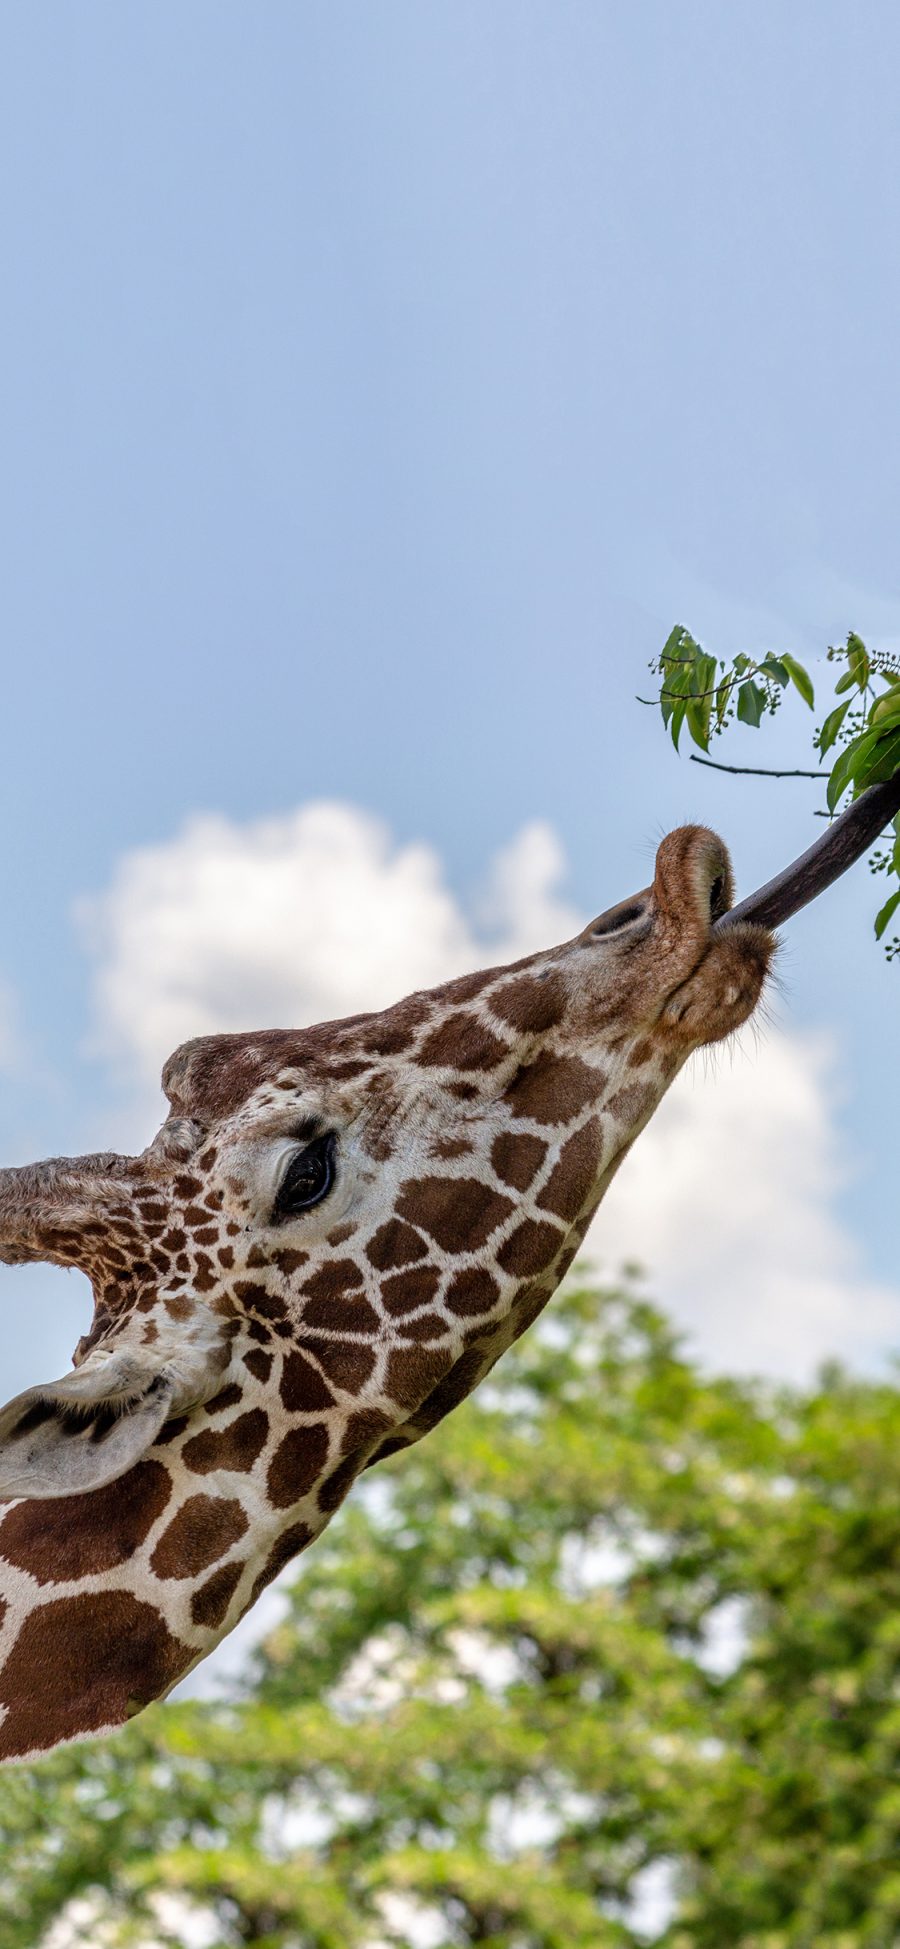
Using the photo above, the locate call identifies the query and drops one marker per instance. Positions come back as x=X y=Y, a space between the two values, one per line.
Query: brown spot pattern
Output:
x=462 y=1042
x=259 y=1363
x=449 y=1147
x=346 y=1362
x=289 y=1261
x=234 y=1447
x=632 y=1103
x=574 y=1175
x=452 y=1389
x=413 y=1372
x=363 y=1428
x=517 y=1157
x=289 y=1544
x=210 y=1603
x=351 y=1314
x=529 y=1249
x=402 y=1292
x=335 y=1486
x=258 y=1299
x=394 y=1245
x=554 y=1088
x=531 y=1004
x=228 y=1397
x=78 y=1536
x=202 y=1530
x=170 y=1431
x=472 y=1292
x=333 y=1280
x=426 y=1326
x=80 y=1663
x=303 y=1390
x=459 y=1213
x=297 y=1464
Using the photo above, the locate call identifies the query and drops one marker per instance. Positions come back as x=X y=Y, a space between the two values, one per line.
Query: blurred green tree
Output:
x=614 y=1628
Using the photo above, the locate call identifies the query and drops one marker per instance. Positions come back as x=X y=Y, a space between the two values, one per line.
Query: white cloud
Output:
x=728 y=1199
x=291 y=920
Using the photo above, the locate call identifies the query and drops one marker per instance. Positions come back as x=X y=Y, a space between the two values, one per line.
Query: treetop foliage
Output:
x=616 y=1624
x=706 y=694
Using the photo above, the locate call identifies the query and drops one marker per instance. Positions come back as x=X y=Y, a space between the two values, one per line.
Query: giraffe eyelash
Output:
x=308 y=1178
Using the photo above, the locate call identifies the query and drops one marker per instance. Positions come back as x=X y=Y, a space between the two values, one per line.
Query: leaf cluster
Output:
x=706 y=694
x=614 y=1619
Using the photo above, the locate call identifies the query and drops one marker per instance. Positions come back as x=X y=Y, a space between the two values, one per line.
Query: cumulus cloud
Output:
x=728 y=1199
x=293 y=920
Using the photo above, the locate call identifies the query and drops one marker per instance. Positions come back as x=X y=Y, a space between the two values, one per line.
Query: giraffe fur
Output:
x=248 y=1359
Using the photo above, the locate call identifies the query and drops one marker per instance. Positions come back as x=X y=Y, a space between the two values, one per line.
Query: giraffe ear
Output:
x=80 y=1432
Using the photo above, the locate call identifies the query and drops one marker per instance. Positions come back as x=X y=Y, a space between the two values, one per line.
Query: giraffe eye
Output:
x=308 y=1178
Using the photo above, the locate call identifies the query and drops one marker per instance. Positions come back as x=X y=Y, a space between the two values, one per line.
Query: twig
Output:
x=755 y=771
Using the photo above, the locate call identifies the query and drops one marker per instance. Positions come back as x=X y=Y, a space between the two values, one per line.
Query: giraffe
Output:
x=331 y=1240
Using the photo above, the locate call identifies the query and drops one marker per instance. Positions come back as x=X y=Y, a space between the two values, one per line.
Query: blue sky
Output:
x=379 y=384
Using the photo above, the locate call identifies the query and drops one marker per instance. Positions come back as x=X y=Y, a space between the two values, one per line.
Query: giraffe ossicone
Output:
x=334 y=1236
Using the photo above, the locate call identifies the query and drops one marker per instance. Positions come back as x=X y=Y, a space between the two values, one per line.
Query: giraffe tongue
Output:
x=841 y=844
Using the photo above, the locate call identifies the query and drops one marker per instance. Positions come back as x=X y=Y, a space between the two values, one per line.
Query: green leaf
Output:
x=679 y=679
x=886 y=913
x=846 y=682
x=722 y=695
x=776 y=668
x=699 y=710
x=831 y=727
x=858 y=660
x=869 y=760
x=679 y=653
x=886 y=709
x=750 y=704
x=672 y=643
x=676 y=722
x=675 y=680
x=800 y=679
x=878 y=758
x=697 y=716
x=841 y=776
x=675 y=668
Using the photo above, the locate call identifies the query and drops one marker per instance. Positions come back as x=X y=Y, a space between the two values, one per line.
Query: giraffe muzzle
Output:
x=718 y=965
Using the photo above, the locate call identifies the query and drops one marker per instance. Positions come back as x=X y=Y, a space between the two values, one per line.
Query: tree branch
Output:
x=825 y=860
x=755 y=771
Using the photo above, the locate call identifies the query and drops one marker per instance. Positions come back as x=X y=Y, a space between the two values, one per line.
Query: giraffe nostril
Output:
x=618 y=917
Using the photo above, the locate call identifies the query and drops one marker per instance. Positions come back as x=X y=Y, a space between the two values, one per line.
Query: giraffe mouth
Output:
x=724 y=961
x=693 y=890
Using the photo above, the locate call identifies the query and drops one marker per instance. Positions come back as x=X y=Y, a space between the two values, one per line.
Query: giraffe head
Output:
x=332 y=1238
